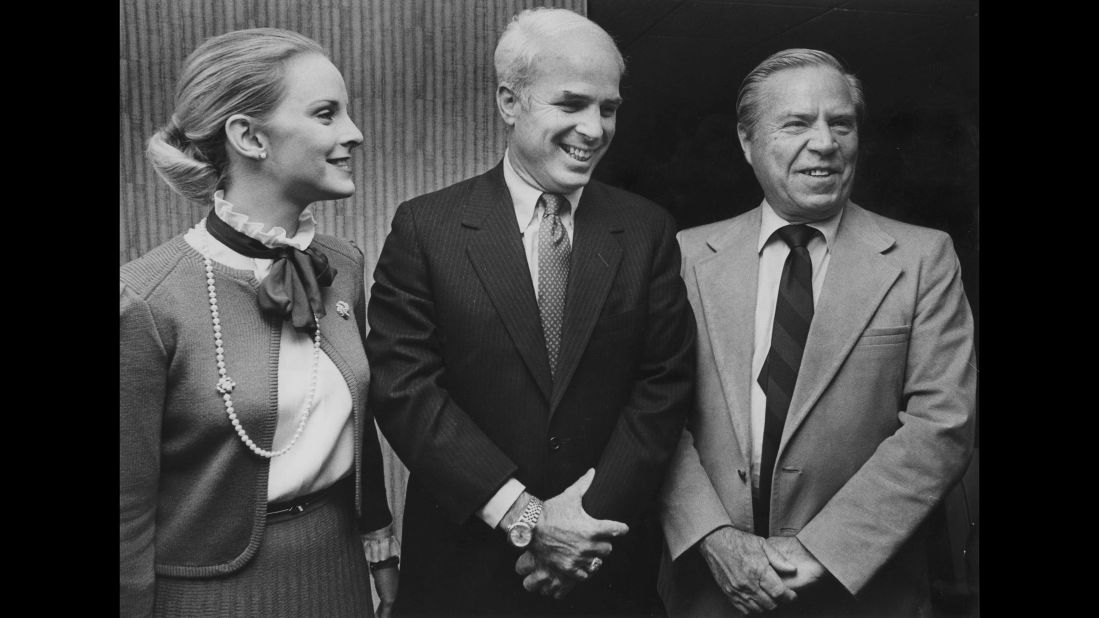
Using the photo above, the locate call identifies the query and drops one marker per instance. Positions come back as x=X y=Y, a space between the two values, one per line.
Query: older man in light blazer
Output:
x=836 y=382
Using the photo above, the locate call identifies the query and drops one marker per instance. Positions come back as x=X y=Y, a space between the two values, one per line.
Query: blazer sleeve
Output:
x=690 y=507
x=142 y=374
x=880 y=507
x=375 y=508
x=635 y=460
x=439 y=443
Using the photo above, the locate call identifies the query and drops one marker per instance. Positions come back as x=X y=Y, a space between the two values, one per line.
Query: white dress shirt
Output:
x=528 y=216
x=772 y=256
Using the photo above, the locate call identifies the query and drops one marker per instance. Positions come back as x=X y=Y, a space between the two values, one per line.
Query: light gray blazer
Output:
x=880 y=426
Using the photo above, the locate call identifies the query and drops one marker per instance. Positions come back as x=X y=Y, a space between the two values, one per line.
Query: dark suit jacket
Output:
x=880 y=425
x=463 y=392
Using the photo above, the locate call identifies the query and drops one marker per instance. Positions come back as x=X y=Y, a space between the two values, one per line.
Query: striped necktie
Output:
x=793 y=315
x=553 y=271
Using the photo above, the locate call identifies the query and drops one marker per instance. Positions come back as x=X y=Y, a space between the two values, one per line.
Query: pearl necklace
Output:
x=226 y=384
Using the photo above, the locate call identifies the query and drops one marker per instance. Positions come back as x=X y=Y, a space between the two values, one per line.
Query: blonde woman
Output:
x=249 y=468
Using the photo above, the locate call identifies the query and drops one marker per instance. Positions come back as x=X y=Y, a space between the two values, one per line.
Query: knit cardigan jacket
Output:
x=192 y=496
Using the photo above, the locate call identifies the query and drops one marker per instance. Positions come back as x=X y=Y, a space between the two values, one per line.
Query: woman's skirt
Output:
x=310 y=563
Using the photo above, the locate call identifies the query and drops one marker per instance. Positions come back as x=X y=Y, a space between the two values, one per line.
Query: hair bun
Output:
x=173 y=158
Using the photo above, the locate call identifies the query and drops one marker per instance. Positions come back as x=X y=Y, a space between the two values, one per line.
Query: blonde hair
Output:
x=239 y=72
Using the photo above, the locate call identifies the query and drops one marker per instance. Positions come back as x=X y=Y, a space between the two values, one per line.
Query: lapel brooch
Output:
x=343 y=310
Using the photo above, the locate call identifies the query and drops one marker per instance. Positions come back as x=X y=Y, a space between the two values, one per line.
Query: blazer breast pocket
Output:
x=888 y=335
x=617 y=323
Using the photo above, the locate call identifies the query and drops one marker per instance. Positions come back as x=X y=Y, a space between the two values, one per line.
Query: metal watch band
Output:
x=532 y=512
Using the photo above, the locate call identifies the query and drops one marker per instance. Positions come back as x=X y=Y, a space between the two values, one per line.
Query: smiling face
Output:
x=309 y=136
x=564 y=122
x=805 y=143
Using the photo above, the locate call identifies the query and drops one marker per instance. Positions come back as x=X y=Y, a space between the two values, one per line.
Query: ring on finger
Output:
x=596 y=563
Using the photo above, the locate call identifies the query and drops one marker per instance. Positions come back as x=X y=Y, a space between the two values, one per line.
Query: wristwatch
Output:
x=521 y=532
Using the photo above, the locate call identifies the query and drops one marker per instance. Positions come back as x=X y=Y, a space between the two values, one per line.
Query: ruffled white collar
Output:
x=276 y=236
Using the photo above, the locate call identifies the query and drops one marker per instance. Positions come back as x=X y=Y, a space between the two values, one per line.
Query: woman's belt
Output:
x=298 y=504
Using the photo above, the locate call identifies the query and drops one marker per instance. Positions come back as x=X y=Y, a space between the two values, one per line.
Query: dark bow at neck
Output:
x=292 y=288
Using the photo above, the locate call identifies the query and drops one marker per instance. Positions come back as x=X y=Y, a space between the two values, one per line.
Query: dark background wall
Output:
x=919 y=146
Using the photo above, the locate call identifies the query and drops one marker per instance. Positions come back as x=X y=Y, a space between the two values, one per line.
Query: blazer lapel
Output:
x=596 y=252
x=496 y=252
x=727 y=284
x=858 y=278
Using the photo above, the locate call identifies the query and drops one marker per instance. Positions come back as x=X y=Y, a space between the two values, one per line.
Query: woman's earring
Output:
x=262 y=156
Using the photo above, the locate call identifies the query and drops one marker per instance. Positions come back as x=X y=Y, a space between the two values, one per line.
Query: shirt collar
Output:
x=772 y=221
x=276 y=236
x=524 y=196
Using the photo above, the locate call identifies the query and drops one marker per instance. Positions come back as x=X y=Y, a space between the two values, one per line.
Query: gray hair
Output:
x=239 y=72
x=524 y=36
x=747 y=101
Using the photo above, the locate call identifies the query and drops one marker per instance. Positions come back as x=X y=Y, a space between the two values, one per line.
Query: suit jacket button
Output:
x=554 y=443
x=743 y=475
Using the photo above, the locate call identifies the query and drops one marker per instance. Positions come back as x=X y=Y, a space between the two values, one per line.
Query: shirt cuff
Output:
x=378 y=548
x=497 y=506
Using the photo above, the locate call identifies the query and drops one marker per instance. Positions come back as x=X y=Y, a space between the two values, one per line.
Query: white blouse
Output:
x=324 y=453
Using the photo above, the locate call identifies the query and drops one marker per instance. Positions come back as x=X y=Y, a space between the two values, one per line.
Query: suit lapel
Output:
x=496 y=252
x=727 y=284
x=596 y=252
x=857 y=280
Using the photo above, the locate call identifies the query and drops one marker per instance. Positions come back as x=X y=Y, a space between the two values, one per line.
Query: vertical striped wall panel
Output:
x=420 y=77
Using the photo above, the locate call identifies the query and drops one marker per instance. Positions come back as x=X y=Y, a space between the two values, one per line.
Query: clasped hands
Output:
x=758 y=574
x=565 y=542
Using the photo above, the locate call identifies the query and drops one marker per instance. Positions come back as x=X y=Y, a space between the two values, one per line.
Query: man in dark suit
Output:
x=836 y=379
x=532 y=353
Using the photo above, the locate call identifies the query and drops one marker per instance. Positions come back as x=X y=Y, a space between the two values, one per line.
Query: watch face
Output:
x=519 y=534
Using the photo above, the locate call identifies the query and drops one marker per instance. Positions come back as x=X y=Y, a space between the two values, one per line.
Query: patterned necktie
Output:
x=793 y=314
x=553 y=271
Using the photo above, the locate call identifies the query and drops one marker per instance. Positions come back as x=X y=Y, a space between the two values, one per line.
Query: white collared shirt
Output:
x=324 y=452
x=528 y=216
x=772 y=256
